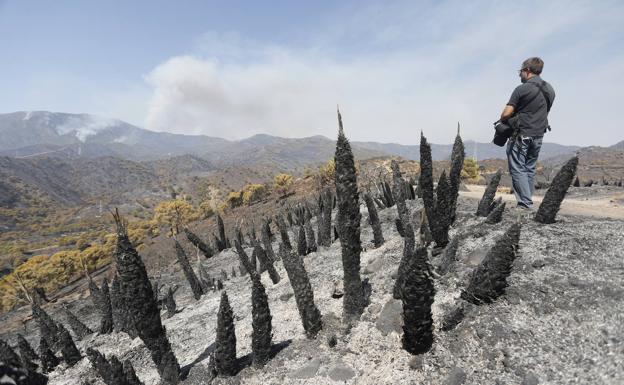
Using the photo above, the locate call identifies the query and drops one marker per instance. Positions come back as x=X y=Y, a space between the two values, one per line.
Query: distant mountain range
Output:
x=31 y=134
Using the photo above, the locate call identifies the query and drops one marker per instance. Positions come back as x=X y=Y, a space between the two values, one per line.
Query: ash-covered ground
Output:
x=559 y=322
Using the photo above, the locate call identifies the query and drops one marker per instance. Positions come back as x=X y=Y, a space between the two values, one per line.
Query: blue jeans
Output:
x=522 y=156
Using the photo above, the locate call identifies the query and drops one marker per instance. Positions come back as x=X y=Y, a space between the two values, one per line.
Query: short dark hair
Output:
x=534 y=65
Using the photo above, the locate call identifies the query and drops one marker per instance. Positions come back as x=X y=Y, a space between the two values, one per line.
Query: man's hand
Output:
x=508 y=111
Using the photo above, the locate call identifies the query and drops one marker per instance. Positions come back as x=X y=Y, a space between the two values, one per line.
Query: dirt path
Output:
x=611 y=206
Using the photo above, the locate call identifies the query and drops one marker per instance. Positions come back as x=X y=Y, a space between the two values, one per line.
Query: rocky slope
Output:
x=558 y=322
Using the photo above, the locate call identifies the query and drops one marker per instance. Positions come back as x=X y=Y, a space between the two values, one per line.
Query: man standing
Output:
x=527 y=111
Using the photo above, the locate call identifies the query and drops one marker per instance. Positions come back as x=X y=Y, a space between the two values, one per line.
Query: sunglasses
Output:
x=520 y=71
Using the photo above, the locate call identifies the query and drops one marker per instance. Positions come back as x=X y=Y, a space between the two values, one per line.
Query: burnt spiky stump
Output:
x=112 y=371
x=496 y=215
x=324 y=217
x=449 y=256
x=457 y=163
x=304 y=296
x=25 y=350
x=264 y=260
x=261 y=315
x=188 y=271
x=197 y=242
x=69 y=351
x=47 y=358
x=170 y=303
x=556 y=192
x=105 y=307
x=225 y=344
x=121 y=315
x=425 y=181
x=13 y=371
x=488 y=195
x=302 y=246
x=348 y=219
x=221 y=240
x=283 y=230
x=440 y=227
x=417 y=294
x=80 y=330
x=406 y=225
x=136 y=291
x=489 y=280
x=373 y=217
x=265 y=236
x=309 y=231
x=48 y=329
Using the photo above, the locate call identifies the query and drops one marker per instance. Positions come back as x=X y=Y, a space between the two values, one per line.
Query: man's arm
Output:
x=508 y=111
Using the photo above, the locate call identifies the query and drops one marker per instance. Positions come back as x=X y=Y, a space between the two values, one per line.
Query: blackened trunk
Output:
x=378 y=238
x=405 y=220
x=457 y=163
x=188 y=271
x=48 y=359
x=304 y=296
x=80 y=330
x=302 y=246
x=225 y=344
x=488 y=195
x=417 y=294
x=556 y=192
x=69 y=351
x=136 y=291
x=197 y=242
x=496 y=215
x=283 y=230
x=489 y=280
x=348 y=220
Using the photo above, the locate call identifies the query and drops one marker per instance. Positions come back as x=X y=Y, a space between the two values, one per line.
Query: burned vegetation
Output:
x=433 y=235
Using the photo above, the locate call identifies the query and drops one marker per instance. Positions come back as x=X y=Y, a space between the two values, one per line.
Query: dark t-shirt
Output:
x=532 y=114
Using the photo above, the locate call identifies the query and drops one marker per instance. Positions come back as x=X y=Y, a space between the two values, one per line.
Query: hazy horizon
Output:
x=238 y=69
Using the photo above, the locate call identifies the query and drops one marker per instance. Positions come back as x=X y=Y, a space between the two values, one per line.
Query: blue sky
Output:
x=236 y=68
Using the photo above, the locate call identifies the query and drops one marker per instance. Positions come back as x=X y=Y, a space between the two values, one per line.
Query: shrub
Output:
x=205 y=210
x=470 y=169
x=234 y=199
x=174 y=213
x=282 y=182
x=253 y=192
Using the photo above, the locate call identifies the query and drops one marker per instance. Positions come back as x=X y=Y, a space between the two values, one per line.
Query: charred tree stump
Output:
x=551 y=203
x=373 y=217
x=283 y=230
x=488 y=195
x=170 y=303
x=302 y=247
x=449 y=256
x=417 y=294
x=130 y=374
x=309 y=232
x=325 y=212
x=348 y=220
x=25 y=350
x=225 y=344
x=440 y=227
x=48 y=359
x=197 y=242
x=405 y=223
x=122 y=322
x=261 y=316
x=188 y=271
x=13 y=370
x=136 y=291
x=265 y=236
x=69 y=351
x=457 y=163
x=221 y=240
x=304 y=296
x=496 y=215
x=80 y=330
x=105 y=307
x=489 y=280
x=270 y=267
x=48 y=329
